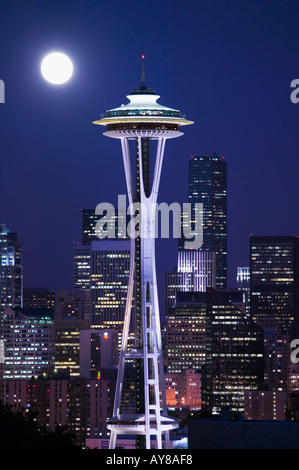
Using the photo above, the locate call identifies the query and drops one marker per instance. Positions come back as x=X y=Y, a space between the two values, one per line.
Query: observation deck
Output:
x=135 y=424
x=144 y=117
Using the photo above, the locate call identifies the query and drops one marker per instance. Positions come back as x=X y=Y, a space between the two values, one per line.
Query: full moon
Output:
x=57 y=68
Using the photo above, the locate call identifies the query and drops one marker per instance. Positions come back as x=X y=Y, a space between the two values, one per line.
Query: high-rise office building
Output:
x=102 y=266
x=277 y=355
x=264 y=405
x=195 y=273
x=243 y=284
x=234 y=353
x=115 y=224
x=175 y=282
x=73 y=304
x=67 y=345
x=110 y=266
x=11 y=271
x=243 y=277
x=186 y=333
x=98 y=350
x=274 y=280
x=28 y=336
x=38 y=297
x=1 y=358
x=208 y=186
x=81 y=266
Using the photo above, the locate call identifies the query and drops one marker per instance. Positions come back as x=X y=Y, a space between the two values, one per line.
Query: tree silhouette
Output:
x=20 y=431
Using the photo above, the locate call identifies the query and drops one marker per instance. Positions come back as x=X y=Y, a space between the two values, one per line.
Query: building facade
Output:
x=183 y=389
x=109 y=282
x=73 y=304
x=208 y=186
x=81 y=266
x=78 y=405
x=67 y=345
x=186 y=333
x=274 y=280
x=28 y=336
x=11 y=270
x=196 y=272
x=38 y=297
x=234 y=353
x=98 y=350
x=265 y=405
x=277 y=355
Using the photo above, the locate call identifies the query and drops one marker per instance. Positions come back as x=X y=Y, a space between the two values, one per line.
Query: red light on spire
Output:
x=142 y=57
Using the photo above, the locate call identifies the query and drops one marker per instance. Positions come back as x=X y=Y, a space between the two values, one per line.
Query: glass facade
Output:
x=11 y=270
x=195 y=272
x=186 y=334
x=28 y=336
x=89 y=222
x=109 y=282
x=234 y=353
x=81 y=266
x=67 y=345
x=208 y=185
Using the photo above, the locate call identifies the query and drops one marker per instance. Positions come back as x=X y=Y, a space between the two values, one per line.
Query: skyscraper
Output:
x=274 y=280
x=208 y=186
x=73 y=304
x=98 y=350
x=117 y=222
x=243 y=284
x=110 y=267
x=234 y=353
x=195 y=273
x=186 y=333
x=11 y=271
x=277 y=357
x=67 y=345
x=81 y=266
x=28 y=336
x=38 y=297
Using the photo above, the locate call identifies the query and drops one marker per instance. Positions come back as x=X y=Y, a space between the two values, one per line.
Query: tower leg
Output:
x=127 y=317
x=112 y=441
x=152 y=349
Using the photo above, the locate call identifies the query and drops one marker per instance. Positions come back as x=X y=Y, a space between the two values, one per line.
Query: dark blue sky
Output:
x=227 y=64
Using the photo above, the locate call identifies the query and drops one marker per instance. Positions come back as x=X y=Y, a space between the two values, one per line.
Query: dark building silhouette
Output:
x=80 y=406
x=38 y=297
x=277 y=355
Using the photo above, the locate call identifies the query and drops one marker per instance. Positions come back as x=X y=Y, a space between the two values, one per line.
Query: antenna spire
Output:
x=143 y=74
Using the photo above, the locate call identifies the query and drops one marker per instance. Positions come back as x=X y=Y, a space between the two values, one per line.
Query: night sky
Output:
x=227 y=64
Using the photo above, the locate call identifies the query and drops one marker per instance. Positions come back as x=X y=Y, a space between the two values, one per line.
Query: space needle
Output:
x=148 y=124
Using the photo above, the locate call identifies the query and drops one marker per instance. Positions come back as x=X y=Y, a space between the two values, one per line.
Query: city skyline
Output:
x=234 y=83
x=148 y=332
